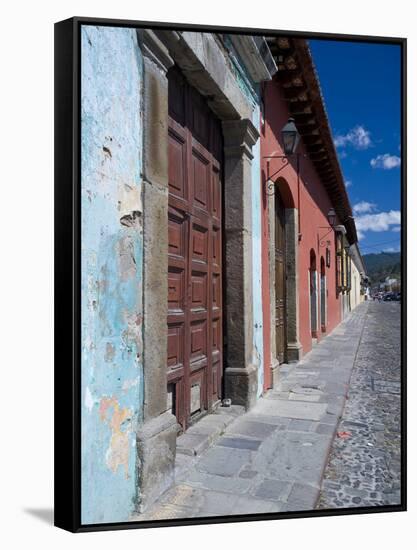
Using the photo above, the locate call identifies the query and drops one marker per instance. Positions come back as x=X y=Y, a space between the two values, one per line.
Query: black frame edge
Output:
x=66 y=379
x=404 y=274
x=161 y=25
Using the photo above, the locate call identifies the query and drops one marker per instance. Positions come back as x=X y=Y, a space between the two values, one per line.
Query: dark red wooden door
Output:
x=195 y=363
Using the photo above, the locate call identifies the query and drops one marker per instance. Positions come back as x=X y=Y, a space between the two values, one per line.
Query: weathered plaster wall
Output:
x=112 y=377
x=355 y=293
x=258 y=350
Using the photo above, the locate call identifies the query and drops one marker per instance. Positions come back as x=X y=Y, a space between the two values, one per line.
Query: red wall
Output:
x=313 y=207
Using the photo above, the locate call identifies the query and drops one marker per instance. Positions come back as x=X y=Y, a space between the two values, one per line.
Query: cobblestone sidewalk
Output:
x=271 y=458
x=364 y=467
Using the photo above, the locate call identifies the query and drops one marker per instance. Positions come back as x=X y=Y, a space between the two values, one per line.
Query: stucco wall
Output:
x=312 y=210
x=111 y=263
x=355 y=292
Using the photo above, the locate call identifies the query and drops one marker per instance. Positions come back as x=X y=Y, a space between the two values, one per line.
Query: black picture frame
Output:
x=67 y=275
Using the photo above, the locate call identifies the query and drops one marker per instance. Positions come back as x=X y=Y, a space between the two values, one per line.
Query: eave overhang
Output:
x=298 y=78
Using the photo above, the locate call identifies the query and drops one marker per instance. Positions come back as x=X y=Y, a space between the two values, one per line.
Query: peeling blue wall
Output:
x=258 y=346
x=112 y=373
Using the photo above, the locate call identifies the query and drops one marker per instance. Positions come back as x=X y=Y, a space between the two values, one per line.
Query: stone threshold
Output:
x=204 y=433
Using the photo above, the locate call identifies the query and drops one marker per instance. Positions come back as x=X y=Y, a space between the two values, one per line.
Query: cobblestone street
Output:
x=364 y=464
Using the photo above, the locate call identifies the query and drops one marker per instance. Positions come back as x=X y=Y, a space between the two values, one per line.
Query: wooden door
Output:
x=195 y=362
x=323 y=301
x=280 y=281
x=313 y=295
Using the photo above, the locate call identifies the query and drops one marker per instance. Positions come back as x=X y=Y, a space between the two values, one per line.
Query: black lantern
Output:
x=331 y=217
x=290 y=137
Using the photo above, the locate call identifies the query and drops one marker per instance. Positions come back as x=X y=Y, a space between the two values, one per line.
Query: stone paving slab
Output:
x=251 y=428
x=303 y=497
x=300 y=397
x=236 y=484
x=204 y=433
x=223 y=461
x=287 y=409
x=272 y=457
x=239 y=443
x=273 y=489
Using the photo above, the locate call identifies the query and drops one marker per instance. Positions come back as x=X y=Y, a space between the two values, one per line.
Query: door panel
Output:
x=280 y=281
x=195 y=362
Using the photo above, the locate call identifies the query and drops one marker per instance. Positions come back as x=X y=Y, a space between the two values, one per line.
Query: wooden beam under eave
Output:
x=315 y=148
x=317 y=157
x=306 y=130
x=331 y=184
x=289 y=79
x=304 y=118
x=296 y=110
x=299 y=104
x=324 y=171
x=284 y=43
x=312 y=139
x=298 y=94
x=291 y=63
x=288 y=83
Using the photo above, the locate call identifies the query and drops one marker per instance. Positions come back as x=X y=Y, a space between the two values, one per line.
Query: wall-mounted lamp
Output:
x=290 y=137
x=331 y=217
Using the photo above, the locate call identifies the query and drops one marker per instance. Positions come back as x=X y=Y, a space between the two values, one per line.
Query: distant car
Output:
x=389 y=297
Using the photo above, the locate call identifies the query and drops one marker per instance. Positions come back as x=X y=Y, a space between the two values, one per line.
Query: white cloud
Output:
x=348 y=183
x=396 y=229
x=358 y=137
x=363 y=207
x=360 y=234
x=386 y=162
x=392 y=249
x=378 y=222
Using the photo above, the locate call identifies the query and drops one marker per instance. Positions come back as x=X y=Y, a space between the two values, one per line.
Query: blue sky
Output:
x=361 y=85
